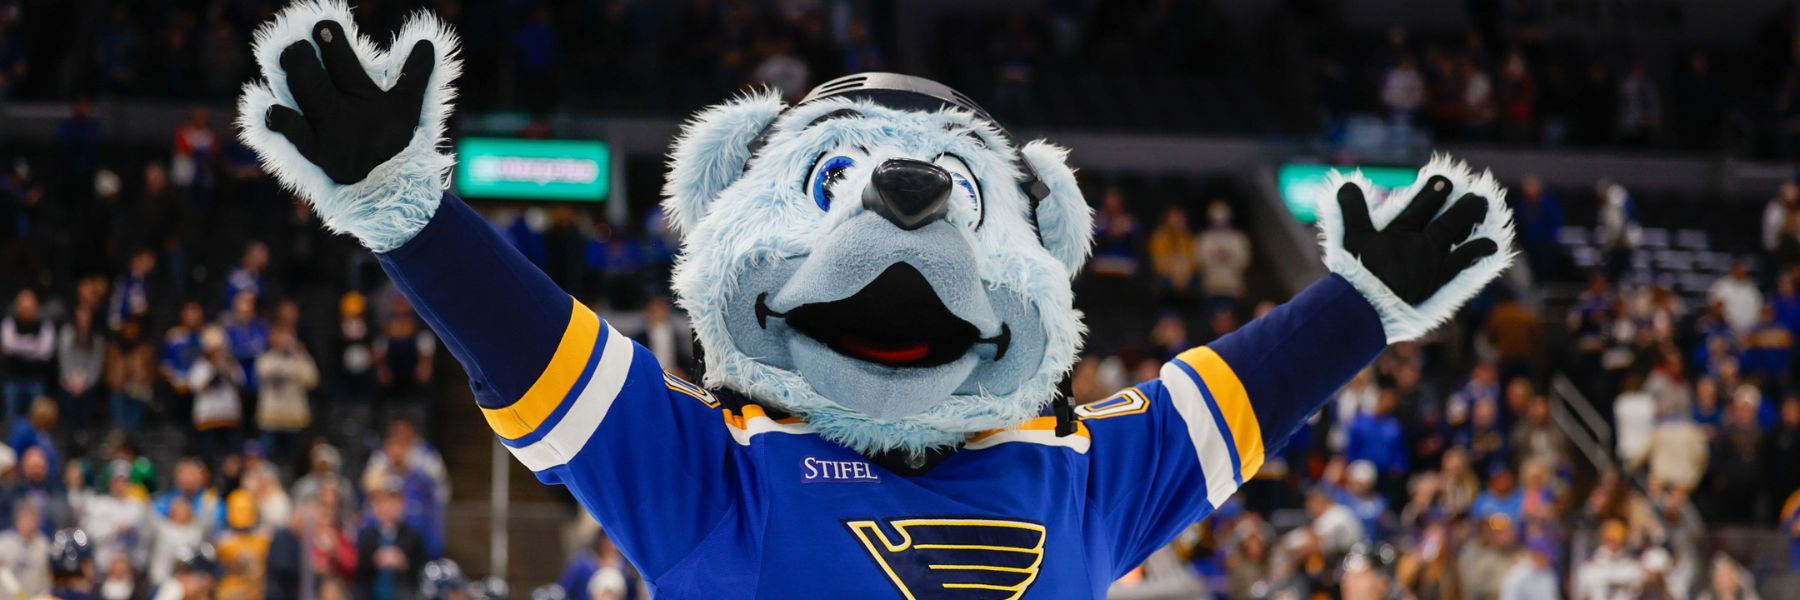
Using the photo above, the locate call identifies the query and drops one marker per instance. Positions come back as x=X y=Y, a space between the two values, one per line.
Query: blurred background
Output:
x=1617 y=418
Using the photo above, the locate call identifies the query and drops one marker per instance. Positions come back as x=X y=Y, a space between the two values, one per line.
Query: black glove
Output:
x=1414 y=255
x=346 y=124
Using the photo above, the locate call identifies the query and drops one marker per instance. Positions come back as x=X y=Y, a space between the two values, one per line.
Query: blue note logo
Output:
x=954 y=557
x=819 y=470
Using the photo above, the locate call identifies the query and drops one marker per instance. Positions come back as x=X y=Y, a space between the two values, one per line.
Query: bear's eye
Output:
x=964 y=178
x=826 y=174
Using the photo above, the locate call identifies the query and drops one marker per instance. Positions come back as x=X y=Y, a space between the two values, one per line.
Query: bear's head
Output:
x=881 y=259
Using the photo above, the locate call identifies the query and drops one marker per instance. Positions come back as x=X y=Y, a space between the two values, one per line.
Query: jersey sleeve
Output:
x=1170 y=451
x=577 y=402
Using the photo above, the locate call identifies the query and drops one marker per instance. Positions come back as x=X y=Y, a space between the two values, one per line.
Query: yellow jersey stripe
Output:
x=1234 y=403
x=557 y=380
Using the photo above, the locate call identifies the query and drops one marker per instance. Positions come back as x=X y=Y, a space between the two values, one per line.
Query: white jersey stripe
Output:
x=583 y=418
x=1209 y=442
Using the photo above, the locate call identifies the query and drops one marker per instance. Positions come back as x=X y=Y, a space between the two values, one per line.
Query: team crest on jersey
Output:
x=954 y=557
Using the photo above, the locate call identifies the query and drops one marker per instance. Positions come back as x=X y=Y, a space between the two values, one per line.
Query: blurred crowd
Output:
x=1442 y=469
x=1506 y=77
x=204 y=394
x=228 y=401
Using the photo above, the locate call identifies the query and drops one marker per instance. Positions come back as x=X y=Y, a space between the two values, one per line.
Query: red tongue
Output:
x=893 y=355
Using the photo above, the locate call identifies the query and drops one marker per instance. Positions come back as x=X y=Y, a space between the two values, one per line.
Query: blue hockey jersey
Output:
x=714 y=497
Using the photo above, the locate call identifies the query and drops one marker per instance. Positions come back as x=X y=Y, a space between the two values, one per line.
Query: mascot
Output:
x=879 y=275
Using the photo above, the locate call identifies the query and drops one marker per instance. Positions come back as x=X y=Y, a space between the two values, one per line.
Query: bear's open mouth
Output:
x=896 y=320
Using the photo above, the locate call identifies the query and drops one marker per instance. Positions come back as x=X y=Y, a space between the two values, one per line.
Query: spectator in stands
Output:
x=1516 y=333
x=28 y=344
x=403 y=362
x=1461 y=486
x=1485 y=437
x=246 y=335
x=118 y=580
x=1116 y=237
x=173 y=533
x=131 y=291
x=182 y=348
x=243 y=550
x=25 y=551
x=1358 y=494
x=1634 y=421
x=193 y=487
x=1734 y=473
x=1478 y=109
x=1612 y=572
x=389 y=551
x=354 y=348
x=1790 y=527
x=1403 y=90
x=37 y=486
x=273 y=506
x=1535 y=437
x=196 y=145
x=781 y=70
x=286 y=374
x=1730 y=581
x=670 y=347
x=599 y=560
x=218 y=382
x=1379 y=438
x=311 y=551
x=1616 y=229
x=1173 y=255
x=193 y=579
x=1356 y=397
x=327 y=470
x=1677 y=452
x=1502 y=496
x=1532 y=577
x=1779 y=445
x=1484 y=562
x=1336 y=526
x=1224 y=257
x=1169 y=336
x=38 y=430
x=113 y=518
x=1640 y=106
x=1768 y=351
x=1248 y=556
x=131 y=374
x=1517 y=98
x=1781 y=225
x=80 y=362
x=1538 y=215
x=1738 y=297
x=417 y=469
x=247 y=277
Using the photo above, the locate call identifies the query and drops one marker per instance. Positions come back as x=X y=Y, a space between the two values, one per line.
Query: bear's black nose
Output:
x=910 y=193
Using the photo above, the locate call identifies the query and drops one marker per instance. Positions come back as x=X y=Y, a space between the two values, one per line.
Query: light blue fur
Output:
x=1401 y=321
x=398 y=197
x=741 y=223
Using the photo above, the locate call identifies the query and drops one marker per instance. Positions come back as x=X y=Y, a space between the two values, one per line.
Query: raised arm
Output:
x=1398 y=269
x=359 y=138
x=356 y=130
x=1172 y=450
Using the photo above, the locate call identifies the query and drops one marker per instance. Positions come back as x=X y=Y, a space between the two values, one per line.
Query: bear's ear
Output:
x=711 y=151
x=1065 y=220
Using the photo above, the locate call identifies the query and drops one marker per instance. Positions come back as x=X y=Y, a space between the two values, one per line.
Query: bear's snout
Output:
x=909 y=193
